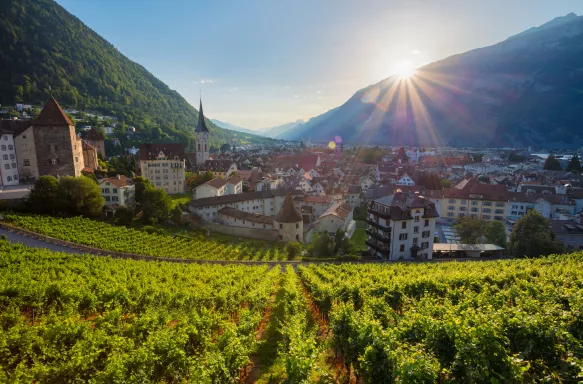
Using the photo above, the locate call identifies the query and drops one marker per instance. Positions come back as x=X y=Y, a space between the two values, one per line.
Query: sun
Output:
x=404 y=69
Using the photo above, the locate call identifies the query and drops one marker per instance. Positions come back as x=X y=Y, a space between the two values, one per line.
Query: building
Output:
x=401 y=226
x=119 y=190
x=353 y=195
x=96 y=140
x=9 y=174
x=288 y=221
x=234 y=185
x=405 y=180
x=202 y=135
x=89 y=156
x=163 y=165
x=236 y=218
x=212 y=188
x=569 y=233
x=313 y=206
x=220 y=168
x=337 y=217
x=471 y=198
x=50 y=146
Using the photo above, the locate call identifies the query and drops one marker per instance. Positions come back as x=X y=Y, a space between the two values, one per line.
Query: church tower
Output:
x=201 y=133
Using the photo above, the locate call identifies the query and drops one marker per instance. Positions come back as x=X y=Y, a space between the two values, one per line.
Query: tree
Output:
x=469 y=230
x=141 y=186
x=495 y=233
x=80 y=196
x=293 y=249
x=552 y=164
x=156 y=205
x=574 y=164
x=44 y=196
x=225 y=147
x=125 y=215
x=532 y=237
x=177 y=216
x=445 y=183
x=484 y=179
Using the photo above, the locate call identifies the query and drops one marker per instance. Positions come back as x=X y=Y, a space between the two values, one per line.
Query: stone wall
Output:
x=59 y=144
x=253 y=233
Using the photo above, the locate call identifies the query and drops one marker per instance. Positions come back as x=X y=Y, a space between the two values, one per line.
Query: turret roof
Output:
x=201 y=127
x=288 y=212
x=52 y=114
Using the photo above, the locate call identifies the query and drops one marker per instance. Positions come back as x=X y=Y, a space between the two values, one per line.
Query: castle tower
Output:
x=288 y=221
x=201 y=133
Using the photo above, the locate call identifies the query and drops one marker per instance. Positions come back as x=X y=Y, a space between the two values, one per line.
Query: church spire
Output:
x=201 y=127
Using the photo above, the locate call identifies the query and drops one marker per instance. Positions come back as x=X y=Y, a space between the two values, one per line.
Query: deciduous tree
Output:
x=532 y=237
x=469 y=229
x=495 y=233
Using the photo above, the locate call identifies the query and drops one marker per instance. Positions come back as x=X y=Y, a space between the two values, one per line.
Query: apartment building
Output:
x=119 y=190
x=163 y=165
x=485 y=202
x=401 y=226
x=8 y=164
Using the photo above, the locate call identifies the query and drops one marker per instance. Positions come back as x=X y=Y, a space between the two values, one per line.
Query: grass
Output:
x=180 y=198
x=359 y=235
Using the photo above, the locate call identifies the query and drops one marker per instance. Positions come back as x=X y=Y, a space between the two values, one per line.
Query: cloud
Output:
x=416 y=52
x=207 y=81
x=286 y=87
x=234 y=89
x=318 y=92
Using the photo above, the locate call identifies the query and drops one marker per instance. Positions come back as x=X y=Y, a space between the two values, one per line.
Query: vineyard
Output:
x=121 y=239
x=78 y=318
x=487 y=322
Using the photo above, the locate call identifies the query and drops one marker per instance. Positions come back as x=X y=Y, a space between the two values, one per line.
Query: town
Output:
x=390 y=203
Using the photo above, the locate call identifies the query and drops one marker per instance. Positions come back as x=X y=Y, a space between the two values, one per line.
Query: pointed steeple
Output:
x=288 y=212
x=52 y=114
x=201 y=127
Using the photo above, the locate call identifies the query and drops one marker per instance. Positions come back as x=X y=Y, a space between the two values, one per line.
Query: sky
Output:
x=262 y=63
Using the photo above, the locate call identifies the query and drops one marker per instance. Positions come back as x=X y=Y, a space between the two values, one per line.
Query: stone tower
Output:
x=201 y=133
x=288 y=221
x=59 y=151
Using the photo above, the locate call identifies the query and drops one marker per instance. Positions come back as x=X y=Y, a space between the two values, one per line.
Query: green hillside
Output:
x=42 y=45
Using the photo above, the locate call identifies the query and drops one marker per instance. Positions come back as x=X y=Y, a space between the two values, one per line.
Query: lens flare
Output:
x=337 y=139
x=331 y=145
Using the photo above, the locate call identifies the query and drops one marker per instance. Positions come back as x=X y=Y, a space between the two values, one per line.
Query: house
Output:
x=220 y=168
x=469 y=197
x=214 y=187
x=119 y=190
x=569 y=233
x=366 y=181
x=89 y=156
x=353 y=195
x=405 y=180
x=96 y=140
x=338 y=217
x=234 y=185
x=401 y=227
x=549 y=205
x=163 y=164
x=9 y=167
x=314 y=206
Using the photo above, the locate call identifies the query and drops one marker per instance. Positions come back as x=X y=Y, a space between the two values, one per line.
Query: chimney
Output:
x=118 y=177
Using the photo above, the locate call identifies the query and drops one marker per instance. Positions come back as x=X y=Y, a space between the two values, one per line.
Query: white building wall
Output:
x=167 y=174
x=26 y=154
x=8 y=164
x=235 y=222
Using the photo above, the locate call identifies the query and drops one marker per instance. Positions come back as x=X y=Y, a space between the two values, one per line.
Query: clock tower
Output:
x=201 y=133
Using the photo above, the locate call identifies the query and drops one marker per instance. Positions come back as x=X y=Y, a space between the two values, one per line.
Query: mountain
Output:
x=42 y=45
x=234 y=127
x=279 y=130
x=526 y=90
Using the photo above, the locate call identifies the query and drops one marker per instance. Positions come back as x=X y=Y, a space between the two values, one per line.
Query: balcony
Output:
x=382 y=250
x=386 y=216
x=378 y=236
x=375 y=224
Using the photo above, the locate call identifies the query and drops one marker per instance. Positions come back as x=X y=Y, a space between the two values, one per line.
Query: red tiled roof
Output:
x=14 y=126
x=217 y=182
x=52 y=114
x=318 y=199
x=151 y=151
x=120 y=181
x=471 y=186
x=94 y=135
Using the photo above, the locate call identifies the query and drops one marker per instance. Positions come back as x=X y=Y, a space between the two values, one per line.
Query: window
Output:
x=451 y=201
x=10 y=147
x=5 y=157
x=415 y=229
x=280 y=226
x=403 y=236
x=425 y=245
x=7 y=166
x=3 y=147
x=499 y=218
x=486 y=217
x=12 y=156
x=487 y=203
x=499 y=211
x=5 y=137
x=114 y=190
x=9 y=178
x=402 y=248
x=474 y=203
x=114 y=198
x=404 y=225
x=14 y=165
x=486 y=210
x=427 y=222
x=297 y=225
x=463 y=209
x=451 y=208
x=53 y=161
x=76 y=159
x=501 y=205
x=107 y=198
x=26 y=162
x=416 y=219
x=474 y=209
x=415 y=240
x=298 y=237
x=106 y=190
x=15 y=177
x=425 y=234
x=280 y=237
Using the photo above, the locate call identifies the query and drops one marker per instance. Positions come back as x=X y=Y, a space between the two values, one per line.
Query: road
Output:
x=15 y=237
